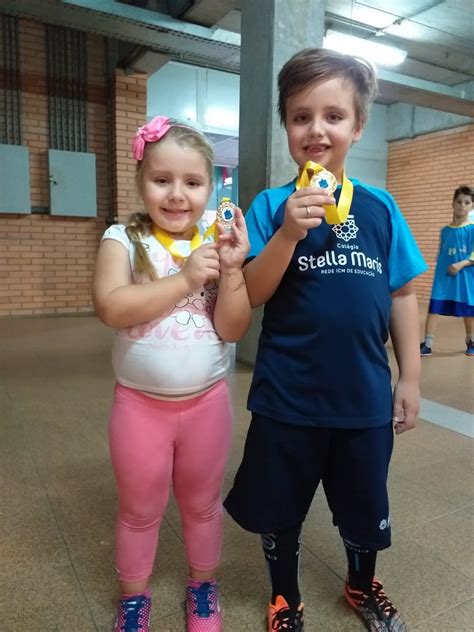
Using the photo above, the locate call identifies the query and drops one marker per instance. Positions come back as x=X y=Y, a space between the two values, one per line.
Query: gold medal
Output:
x=314 y=175
x=225 y=214
x=324 y=180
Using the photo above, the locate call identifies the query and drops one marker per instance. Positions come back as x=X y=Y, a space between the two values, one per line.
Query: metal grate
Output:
x=66 y=56
x=10 y=90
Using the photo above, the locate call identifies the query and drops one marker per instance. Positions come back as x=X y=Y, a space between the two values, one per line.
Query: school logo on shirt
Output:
x=345 y=258
x=346 y=231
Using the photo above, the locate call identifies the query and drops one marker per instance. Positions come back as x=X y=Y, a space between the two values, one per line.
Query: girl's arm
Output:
x=404 y=326
x=232 y=311
x=121 y=303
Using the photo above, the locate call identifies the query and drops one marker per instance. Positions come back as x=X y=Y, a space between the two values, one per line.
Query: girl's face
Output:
x=321 y=124
x=175 y=186
x=462 y=206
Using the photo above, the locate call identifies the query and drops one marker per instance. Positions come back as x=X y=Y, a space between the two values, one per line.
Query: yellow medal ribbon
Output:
x=182 y=249
x=315 y=175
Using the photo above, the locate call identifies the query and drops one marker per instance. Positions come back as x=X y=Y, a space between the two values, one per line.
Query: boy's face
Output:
x=462 y=206
x=321 y=124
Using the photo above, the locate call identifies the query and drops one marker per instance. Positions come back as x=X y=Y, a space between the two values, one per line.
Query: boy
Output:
x=453 y=283
x=321 y=398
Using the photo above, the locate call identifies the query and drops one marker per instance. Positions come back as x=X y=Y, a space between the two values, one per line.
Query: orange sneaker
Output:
x=282 y=618
x=376 y=610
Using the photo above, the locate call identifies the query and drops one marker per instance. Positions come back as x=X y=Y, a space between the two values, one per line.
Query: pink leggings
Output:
x=154 y=442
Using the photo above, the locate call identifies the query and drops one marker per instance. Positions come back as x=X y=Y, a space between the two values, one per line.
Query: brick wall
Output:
x=47 y=261
x=422 y=175
x=129 y=113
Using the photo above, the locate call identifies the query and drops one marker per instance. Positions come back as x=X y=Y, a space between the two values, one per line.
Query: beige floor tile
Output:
x=58 y=500
x=453 y=481
x=460 y=618
x=449 y=538
x=428 y=443
x=412 y=504
x=418 y=581
x=50 y=602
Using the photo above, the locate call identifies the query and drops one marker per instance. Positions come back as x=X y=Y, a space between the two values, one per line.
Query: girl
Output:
x=176 y=297
x=453 y=284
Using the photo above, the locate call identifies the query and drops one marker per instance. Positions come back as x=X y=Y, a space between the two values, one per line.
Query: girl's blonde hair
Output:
x=140 y=224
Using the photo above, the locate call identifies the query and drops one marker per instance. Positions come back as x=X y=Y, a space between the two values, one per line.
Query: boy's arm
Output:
x=454 y=268
x=404 y=326
x=303 y=211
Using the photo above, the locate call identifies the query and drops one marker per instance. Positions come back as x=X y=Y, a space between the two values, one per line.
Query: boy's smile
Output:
x=322 y=123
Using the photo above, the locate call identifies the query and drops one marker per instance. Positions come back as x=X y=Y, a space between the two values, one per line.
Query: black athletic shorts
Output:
x=284 y=463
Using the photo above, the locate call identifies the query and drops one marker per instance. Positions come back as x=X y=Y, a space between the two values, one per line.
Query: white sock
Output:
x=429 y=340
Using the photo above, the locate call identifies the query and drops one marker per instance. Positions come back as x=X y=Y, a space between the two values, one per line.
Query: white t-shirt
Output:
x=179 y=353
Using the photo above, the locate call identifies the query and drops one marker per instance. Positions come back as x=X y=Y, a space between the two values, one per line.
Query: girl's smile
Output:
x=175 y=187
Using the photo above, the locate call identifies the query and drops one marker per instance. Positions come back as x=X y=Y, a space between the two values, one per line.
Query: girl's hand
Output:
x=304 y=210
x=406 y=406
x=201 y=266
x=233 y=247
x=454 y=268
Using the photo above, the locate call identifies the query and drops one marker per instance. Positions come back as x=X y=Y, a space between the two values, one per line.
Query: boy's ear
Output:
x=358 y=130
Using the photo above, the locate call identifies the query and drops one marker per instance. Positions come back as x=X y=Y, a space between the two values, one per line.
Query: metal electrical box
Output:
x=14 y=179
x=72 y=183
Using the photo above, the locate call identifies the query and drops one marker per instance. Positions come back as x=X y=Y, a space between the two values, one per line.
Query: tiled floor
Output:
x=57 y=501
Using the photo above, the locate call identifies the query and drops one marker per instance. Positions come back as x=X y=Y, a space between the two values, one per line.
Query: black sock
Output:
x=361 y=567
x=282 y=551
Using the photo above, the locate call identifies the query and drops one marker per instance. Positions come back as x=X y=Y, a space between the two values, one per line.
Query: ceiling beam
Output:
x=425 y=94
x=182 y=41
x=207 y=47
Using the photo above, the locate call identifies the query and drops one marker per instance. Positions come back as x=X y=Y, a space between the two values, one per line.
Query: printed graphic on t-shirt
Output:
x=345 y=258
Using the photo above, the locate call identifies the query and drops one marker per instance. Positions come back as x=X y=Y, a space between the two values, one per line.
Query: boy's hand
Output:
x=201 y=265
x=406 y=406
x=454 y=268
x=233 y=247
x=304 y=210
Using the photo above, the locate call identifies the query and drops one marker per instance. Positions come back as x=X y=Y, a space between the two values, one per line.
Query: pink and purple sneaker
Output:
x=133 y=614
x=202 y=607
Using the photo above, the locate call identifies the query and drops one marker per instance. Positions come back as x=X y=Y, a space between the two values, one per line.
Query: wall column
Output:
x=271 y=34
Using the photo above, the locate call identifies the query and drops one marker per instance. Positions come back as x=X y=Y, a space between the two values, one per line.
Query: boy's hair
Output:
x=312 y=65
x=140 y=224
x=464 y=189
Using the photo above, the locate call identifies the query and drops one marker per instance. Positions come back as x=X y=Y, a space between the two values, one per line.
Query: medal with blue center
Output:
x=315 y=175
x=225 y=214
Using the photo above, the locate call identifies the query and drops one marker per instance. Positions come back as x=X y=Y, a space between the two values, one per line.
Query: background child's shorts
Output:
x=284 y=463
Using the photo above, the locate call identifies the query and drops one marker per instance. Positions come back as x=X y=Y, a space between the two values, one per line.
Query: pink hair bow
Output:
x=149 y=133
